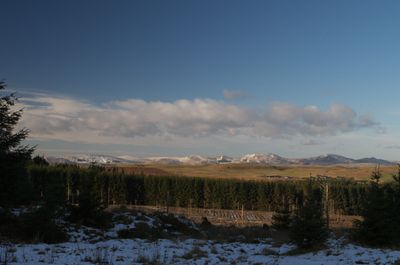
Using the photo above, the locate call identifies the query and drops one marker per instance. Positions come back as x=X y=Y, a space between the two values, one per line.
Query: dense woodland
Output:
x=66 y=183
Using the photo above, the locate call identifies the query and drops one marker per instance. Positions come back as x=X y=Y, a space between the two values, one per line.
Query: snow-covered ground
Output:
x=190 y=251
x=93 y=246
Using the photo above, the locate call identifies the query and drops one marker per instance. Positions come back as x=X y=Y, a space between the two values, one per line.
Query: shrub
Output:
x=142 y=230
x=205 y=224
x=39 y=226
x=35 y=226
x=174 y=224
x=92 y=218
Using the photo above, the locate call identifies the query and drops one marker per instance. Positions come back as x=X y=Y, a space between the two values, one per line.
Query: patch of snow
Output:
x=136 y=251
x=264 y=159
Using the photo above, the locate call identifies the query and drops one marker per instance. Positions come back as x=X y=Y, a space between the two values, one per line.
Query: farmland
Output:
x=260 y=172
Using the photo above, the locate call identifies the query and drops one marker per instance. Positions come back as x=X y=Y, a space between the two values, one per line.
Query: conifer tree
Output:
x=14 y=182
x=395 y=208
x=89 y=210
x=374 y=228
x=308 y=227
x=282 y=216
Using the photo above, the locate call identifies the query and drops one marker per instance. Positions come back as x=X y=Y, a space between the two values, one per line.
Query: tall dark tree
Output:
x=14 y=156
x=374 y=228
x=308 y=226
x=395 y=208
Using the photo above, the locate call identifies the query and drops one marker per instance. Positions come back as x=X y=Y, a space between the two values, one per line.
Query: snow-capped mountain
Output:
x=222 y=159
x=264 y=159
x=189 y=160
x=272 y=159
x=133 y=159
x=58 y=160
x=98 y=159
x=196 y=160
x=88 y=159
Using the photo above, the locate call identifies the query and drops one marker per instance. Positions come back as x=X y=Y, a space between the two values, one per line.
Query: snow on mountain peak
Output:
x=263 y=159
x=255 y=158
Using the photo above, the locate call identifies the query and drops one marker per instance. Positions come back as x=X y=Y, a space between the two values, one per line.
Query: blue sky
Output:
x=270 y=57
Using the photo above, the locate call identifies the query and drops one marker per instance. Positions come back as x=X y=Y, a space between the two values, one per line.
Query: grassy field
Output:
x=260 y=172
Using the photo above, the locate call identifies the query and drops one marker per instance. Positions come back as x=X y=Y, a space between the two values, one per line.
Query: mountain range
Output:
x=262 y=159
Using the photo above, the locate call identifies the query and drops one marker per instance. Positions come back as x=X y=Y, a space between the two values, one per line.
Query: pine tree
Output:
x=14 y=182
x=374 y=228
x=308 y=227
x=89 y=210
x=282 y=216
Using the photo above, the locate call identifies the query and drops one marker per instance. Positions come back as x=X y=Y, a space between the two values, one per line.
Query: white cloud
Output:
x=69 y=119
x=284 y=119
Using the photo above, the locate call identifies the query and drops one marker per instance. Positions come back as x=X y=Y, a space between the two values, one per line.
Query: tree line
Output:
x=68 y=183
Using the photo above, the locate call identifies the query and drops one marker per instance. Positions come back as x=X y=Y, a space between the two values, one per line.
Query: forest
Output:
x=86 y=191
x=67 y=183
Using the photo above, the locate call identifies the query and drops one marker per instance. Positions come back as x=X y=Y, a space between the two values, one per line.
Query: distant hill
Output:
x=262 y=159
x=329 y=159
x=88 y=159
x=272 y=159
x=373 y=160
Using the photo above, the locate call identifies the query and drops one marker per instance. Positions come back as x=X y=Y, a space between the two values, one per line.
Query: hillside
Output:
x=262 y=159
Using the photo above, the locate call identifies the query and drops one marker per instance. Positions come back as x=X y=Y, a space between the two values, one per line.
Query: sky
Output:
x=147 y=78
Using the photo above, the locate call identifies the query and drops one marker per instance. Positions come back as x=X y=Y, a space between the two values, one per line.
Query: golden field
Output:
x=261 y=172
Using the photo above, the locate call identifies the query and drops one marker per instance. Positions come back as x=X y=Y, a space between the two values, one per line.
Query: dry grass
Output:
x=259 y=172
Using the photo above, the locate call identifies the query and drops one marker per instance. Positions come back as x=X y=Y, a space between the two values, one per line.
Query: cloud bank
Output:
x=55 y=117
